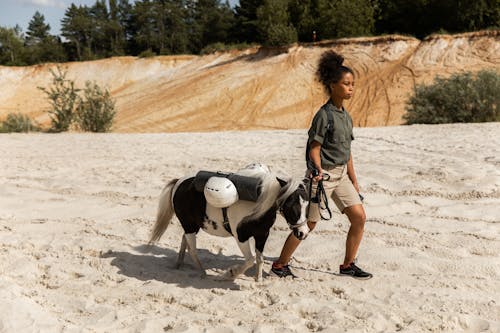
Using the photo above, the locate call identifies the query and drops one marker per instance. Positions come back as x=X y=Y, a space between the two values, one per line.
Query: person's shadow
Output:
x=156 y=263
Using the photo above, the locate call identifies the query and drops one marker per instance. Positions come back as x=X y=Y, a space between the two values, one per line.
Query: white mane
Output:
x=291 y=186
x=270 y=189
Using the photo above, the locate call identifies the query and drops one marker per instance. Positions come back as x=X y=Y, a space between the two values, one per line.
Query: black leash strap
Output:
x=322 y=197
x=319 y=196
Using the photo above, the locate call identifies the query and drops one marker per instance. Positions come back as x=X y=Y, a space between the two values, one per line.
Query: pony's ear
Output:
x=282 y=182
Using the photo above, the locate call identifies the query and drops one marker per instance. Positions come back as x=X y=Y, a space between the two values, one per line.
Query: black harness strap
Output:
x=226 y=224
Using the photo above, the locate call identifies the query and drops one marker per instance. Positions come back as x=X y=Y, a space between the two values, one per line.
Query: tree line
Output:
x=165 y=27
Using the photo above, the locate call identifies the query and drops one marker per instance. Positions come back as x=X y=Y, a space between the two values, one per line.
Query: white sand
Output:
x=76 y=211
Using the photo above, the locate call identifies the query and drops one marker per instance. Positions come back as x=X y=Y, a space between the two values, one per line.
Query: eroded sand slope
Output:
x=257 y=89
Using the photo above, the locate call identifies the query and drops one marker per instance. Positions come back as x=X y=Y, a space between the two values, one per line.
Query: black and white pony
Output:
x=244 y=219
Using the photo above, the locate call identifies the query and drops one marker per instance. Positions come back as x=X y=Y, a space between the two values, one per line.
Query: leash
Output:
x=319 y=197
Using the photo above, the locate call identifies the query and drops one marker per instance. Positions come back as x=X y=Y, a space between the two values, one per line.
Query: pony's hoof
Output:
x=228 y=275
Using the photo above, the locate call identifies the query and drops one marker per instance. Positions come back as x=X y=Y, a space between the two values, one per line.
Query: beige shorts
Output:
x=338 y=187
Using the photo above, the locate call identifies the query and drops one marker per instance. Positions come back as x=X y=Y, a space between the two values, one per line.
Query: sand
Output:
x=76 y=211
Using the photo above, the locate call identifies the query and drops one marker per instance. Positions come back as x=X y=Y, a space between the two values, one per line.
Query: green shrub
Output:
x=63 y=97
x=96 y=110
x=17 y=122
x=147 y=54
x=462 y=98
x=280 y=35
x=221 y=47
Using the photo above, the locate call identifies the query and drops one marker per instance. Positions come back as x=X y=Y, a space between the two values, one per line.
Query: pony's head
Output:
x=293 y=202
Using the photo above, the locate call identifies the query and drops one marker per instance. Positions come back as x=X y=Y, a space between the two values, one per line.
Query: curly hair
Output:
x=330 y=68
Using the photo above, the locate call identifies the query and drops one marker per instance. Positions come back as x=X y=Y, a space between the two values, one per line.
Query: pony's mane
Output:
x=270 y=190
x=291 y=186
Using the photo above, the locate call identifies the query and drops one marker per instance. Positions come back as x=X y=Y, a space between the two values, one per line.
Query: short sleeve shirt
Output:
x=336 y=144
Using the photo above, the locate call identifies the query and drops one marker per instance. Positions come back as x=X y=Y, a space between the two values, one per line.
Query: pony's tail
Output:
x=165 y=212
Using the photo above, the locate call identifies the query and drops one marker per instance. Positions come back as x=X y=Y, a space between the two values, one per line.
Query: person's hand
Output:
x=356 y=186
x=319 y=176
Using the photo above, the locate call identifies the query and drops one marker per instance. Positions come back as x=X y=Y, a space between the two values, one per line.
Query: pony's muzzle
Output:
x=301 y=232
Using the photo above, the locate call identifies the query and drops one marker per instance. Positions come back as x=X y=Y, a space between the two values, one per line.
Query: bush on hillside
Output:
x=63 y=97
x=147 y=54
x=221 y=47
x=96 y=110
x=462 y=98
x=17 y=122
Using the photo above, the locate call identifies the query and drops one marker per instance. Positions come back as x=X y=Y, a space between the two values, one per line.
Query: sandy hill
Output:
x=257 y=88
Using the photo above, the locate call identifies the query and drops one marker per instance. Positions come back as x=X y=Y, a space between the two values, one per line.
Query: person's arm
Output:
x=352 y=174
x=315 y=156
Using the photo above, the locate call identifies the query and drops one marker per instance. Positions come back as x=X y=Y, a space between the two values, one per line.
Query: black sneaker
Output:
x=355 y=272
x=282 y=271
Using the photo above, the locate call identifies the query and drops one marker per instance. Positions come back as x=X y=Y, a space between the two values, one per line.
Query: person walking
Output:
x=330 y=164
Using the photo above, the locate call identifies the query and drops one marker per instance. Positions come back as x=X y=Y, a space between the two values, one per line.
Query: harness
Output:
x=225 y=222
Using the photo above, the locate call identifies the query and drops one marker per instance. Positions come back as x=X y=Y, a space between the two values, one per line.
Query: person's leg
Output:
x=357 y=218
x=290 y=246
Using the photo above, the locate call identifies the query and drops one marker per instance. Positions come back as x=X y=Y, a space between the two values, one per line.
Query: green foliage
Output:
x=40 y=45
x=347 y=18
x=94 y=113
x=17 y=122
x=461 y=98
x=147 y=54
x=161 y=26
x=96 y=110
x=12 y=52
x=38 y=30
x=212 y=23
x=221 y=47
x=304 y=16
x=126 y=27
x=63 y=97
x=274 y=26
x=246 y=26
x=424 y=17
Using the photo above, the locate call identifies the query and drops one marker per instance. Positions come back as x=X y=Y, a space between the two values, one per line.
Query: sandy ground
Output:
x=76 y=211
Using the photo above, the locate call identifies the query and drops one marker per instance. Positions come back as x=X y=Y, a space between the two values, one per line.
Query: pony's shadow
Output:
x=156 y=263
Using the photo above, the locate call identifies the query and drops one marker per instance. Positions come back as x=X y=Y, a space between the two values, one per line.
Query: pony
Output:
x=242 y=220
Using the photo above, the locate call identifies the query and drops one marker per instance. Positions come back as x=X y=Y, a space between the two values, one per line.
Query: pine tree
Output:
x=38 y=30
x=41 y=46
x=76 y=26
x=273 y=23
x=101 y=38
x=211 y=22
x=246 y=20
x=346 y=18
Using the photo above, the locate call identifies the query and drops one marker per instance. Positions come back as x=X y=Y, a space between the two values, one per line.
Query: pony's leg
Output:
x=259 y=259
x=182 y=252
x=260 y=242
x=191 y=246
x=236 y=270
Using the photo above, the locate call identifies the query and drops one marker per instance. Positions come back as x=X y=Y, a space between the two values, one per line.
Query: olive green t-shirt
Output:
x=335 y=148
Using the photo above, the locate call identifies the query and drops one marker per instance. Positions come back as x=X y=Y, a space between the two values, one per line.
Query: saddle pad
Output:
x=249 y=188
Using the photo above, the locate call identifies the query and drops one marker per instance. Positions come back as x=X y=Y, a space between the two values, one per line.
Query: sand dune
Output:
x=257 y=88
x=76 y=211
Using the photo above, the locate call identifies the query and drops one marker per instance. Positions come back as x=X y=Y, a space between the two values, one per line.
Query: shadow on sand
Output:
x=156 y=263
